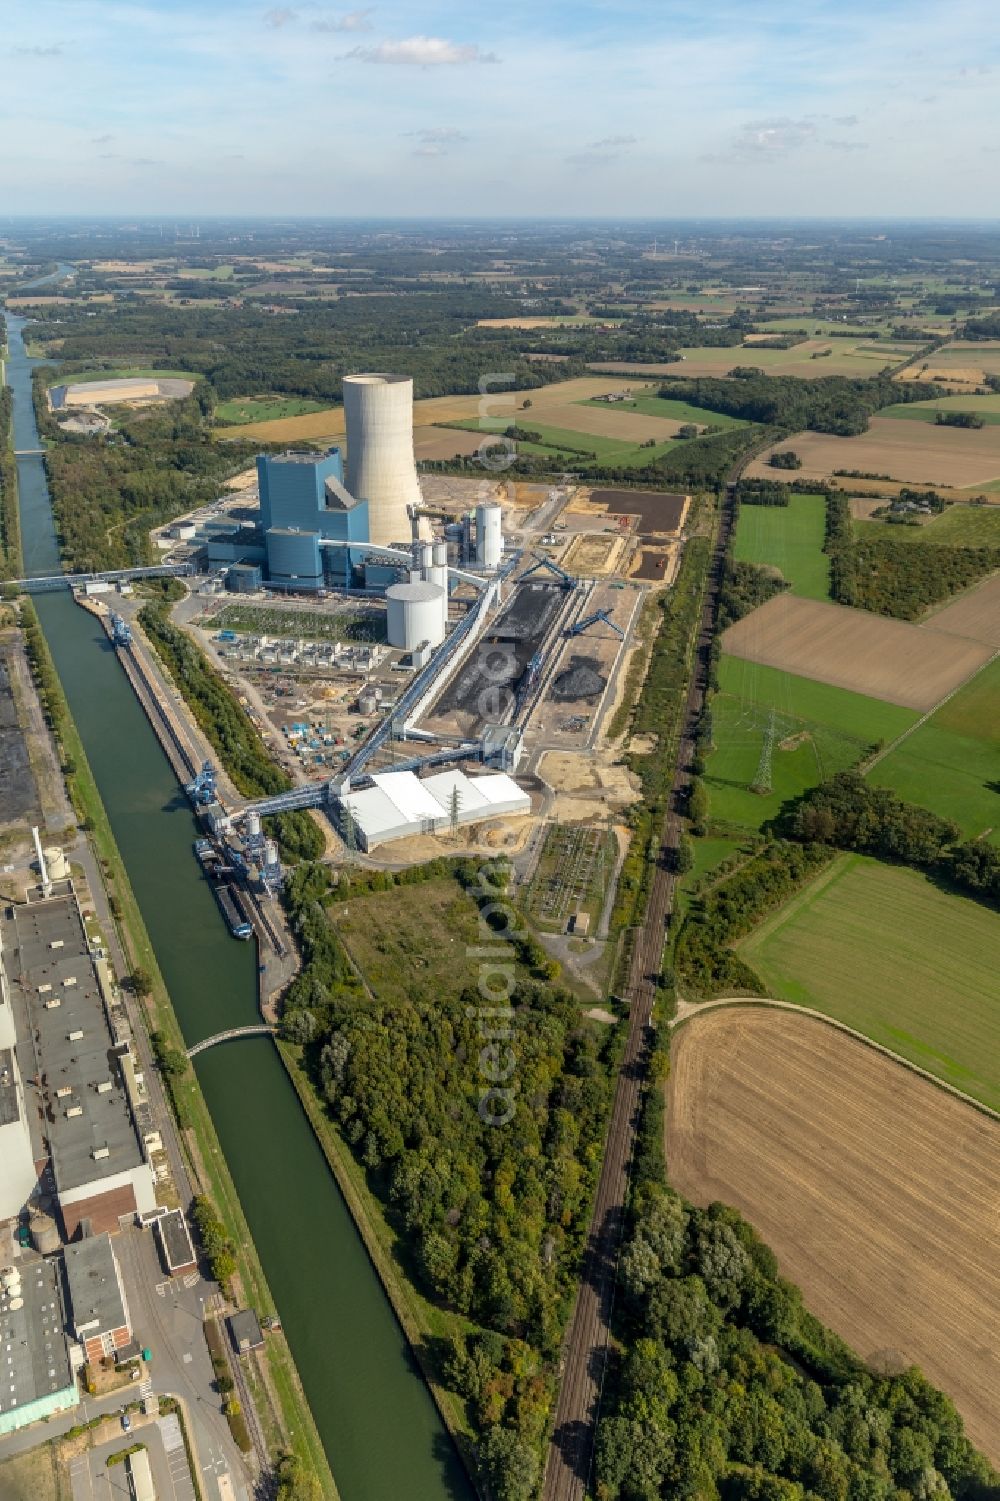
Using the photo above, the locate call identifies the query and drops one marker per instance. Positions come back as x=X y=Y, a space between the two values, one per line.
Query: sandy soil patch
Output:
x=876 y=1190
x=919 y=452
x=976 y=614
x=245 y=480
x=863 y=506
x=588 y=556
x=893 y=660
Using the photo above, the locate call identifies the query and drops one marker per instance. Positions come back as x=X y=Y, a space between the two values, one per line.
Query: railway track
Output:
x=570 y=1456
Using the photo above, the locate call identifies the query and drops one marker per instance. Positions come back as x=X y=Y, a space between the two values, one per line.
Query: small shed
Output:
x=245 y=1331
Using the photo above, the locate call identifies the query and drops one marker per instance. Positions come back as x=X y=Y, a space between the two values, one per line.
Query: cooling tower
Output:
x=380 y=468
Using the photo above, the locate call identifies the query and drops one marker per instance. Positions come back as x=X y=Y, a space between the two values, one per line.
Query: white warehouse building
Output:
x=400 y=805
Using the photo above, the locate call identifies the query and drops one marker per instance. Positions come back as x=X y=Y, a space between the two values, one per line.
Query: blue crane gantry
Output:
x=578 y=628
x=202 y=790
x=566 y=579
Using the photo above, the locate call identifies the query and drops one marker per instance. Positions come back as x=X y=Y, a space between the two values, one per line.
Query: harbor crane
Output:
x=566 y=579
x=202 y=790
x=578 y=628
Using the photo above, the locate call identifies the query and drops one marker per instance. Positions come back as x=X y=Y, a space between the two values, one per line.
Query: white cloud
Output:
x=54 y=49
x=351 y=20
x=280 y=16
x=768 y=140
x=608 y=143
x=422 y=52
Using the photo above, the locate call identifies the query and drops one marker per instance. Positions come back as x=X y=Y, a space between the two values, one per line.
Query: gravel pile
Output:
x=581 y=679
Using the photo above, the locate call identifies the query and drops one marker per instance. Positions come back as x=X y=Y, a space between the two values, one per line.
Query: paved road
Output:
x=92 y=1480
x=167 y=1316
x=570 y=1454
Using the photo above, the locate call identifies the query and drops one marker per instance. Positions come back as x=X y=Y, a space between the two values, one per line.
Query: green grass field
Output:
x=988 y=408
x=264 y=408
x=676 y=411
x=884 y=950
x=952 y=763
x=818 y=730
x=206 y=273
x=120 y=372
x=958 y=526
x=556 y=443
x=791 y=538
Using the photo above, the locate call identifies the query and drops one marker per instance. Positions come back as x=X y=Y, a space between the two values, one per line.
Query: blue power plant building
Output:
x=303 y=502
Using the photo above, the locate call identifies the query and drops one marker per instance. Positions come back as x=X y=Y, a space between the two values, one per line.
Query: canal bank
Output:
x=375 y=1416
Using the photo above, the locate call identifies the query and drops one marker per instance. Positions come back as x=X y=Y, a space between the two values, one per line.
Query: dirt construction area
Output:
x=917 y=452
x=876 y=1190
x=913 y=665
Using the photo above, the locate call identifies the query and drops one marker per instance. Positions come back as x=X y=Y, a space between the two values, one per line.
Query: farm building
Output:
x=400 y=805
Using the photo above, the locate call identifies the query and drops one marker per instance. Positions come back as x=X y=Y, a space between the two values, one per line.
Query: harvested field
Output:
x=444 y=442
x=620 y=422
x=810 y=359
x=876 y=1191
x=893 y=660
x=918 y=452
x=862 y=506
x=962 y=362
x=976 y=614
x=657 y=511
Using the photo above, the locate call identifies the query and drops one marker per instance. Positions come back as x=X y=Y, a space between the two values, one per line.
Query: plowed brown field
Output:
x=976 y=614
x=914 y=665
x=878 y=1192
x=920 y=452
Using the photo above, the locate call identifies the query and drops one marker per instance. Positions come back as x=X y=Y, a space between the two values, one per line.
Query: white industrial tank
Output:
x=253 y=825
x=58 y=865
x=414 y=613
x=489 y=536
x=44 y=1233
x=378 y=409
x=438 y=574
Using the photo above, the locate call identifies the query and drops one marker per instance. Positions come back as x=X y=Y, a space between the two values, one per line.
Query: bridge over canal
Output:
x=260 y=1029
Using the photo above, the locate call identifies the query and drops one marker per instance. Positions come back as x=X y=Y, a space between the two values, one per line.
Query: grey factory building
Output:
x=80 y=1080
x=36 y=1374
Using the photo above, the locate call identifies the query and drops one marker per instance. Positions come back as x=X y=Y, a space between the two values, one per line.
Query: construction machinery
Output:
x=579 y=626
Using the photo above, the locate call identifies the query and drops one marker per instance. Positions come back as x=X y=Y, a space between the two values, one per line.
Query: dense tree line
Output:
x=848 y=812
x=891 y=577
x=107 y=492
x=492 y=1218
x=725 y=1386
x=833 y=404
x=704 y=959
x=746 y=586
x=986 y=327
x=10 y=521
x=950 y=418
x=230 y=731
x=762 y=492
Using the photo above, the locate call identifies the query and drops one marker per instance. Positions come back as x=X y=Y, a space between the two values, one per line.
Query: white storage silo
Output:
x=489 y=536
x=378 y=410
x=253 y=825
x=438 y=574
x=414 y=614
x=55 y=859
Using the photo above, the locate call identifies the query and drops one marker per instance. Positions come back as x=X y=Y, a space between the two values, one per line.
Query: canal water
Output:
x=382 y=1433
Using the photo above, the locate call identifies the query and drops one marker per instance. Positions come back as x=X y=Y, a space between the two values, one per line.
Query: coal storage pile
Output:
x=581 y=679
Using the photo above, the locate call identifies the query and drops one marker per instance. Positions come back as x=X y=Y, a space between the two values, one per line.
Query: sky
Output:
x=624 y=108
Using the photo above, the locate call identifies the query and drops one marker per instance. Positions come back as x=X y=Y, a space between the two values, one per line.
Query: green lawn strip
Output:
x=189 y=1102
x=988 y=407
x=951 y=764
x=818 y=730
x=671 y=411
x=956 y=526
x=420 y=1320
x=265 y=408
x=882 y=949
x=120 y=372
x=790 y=538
